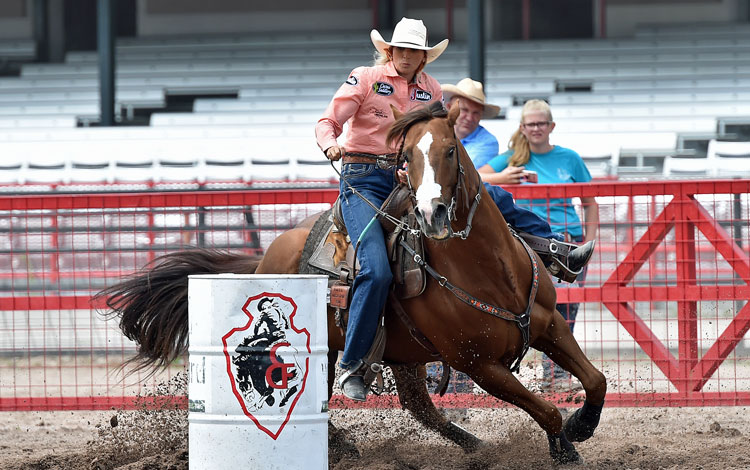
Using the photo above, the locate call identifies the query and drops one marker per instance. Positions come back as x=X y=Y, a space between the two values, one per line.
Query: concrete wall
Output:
x=171 y=17
x=623 y=16
x=160 y=17
x=15 y=19
x=165 y=17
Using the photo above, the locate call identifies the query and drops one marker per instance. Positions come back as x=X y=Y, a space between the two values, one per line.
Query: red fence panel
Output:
x=663 y=312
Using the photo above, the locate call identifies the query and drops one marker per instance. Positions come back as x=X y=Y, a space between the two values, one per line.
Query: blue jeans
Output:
x=371 y=285
x=520 y=218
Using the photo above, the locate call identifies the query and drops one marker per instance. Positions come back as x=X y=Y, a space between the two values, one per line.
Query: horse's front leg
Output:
x=559 y=344
x=413 y=395
x=497 y=380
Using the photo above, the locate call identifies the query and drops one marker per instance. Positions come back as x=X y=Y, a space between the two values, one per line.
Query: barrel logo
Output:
x=266 y=374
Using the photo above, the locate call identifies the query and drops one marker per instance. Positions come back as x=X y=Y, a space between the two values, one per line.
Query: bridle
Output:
x=460 y=187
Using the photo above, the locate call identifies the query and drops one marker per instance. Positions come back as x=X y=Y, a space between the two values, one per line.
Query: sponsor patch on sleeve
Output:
x=352 y=80
x=382 y=88
x=420 y=95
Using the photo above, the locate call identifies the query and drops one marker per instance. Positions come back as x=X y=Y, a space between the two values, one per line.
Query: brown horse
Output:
x=483 y=275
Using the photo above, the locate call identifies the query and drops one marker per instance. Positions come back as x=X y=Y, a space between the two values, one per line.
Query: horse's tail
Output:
x=152 y=304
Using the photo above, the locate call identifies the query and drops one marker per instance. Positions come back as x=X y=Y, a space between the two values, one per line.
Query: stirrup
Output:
x=554 y=253
x=560 y=267
x=560 y=270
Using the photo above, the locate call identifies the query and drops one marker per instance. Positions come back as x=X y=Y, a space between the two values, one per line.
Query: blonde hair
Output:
x=382 y=59
x=518 y=142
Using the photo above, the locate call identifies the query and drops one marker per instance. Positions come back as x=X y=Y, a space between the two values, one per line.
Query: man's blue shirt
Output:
x=481 y=146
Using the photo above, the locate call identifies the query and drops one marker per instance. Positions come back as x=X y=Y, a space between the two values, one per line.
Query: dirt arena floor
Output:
x=628 y=438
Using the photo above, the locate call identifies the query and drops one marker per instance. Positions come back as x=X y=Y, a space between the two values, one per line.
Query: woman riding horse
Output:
x=369 y=175
x=479 y=312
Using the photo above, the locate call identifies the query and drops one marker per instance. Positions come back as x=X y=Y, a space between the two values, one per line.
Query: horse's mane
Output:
x=424 y=113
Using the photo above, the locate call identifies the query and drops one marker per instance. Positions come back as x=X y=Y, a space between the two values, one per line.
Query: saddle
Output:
x=329 y=251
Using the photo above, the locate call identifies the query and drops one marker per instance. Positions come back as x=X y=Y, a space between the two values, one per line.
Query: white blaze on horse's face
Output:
x=429 y=189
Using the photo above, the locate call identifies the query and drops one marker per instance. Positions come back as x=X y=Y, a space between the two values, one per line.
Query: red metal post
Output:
x=687 y=310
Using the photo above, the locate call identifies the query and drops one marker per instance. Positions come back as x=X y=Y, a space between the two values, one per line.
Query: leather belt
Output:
x=384 y=162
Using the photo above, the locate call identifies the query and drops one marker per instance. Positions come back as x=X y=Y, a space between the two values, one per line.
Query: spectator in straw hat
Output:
x=479 y=143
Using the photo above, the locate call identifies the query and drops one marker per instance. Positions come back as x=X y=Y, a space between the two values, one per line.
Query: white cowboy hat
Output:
x=410 y=34
x=472 y=90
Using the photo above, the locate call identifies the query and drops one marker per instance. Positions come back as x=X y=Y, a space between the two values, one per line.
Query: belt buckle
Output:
x=383 y=163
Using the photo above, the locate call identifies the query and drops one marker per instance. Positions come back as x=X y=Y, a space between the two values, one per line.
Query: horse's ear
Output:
x=396 y=113
x=453 y=112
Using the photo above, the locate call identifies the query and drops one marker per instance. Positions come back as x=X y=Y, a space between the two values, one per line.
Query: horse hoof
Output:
x=582 y=424
x=562 y=450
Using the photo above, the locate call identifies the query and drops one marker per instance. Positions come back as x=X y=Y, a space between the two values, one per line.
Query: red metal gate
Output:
x=664 y=311
x=708 y=265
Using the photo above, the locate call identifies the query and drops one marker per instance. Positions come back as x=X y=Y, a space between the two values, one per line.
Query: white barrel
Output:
x=258 y=393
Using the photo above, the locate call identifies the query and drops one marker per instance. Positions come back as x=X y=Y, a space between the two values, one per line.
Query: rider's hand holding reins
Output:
x=335 y=153
x=403 y=176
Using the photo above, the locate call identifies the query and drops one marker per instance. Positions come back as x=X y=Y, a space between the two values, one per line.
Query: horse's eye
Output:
x=406 y=157
x=451 y=152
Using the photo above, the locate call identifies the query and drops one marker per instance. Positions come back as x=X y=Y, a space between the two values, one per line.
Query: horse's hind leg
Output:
x=560 y=345
x=498 y=380
x=412 y=393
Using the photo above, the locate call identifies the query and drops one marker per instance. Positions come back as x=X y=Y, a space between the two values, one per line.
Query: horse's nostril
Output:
x=440 y=212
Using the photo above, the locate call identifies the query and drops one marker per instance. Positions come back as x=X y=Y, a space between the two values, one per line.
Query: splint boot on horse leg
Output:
x=564 y=260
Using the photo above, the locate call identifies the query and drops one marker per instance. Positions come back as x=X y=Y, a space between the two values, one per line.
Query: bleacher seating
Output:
x=729 y=159
x=682 y=167
x=19 y=50
x=610 y=98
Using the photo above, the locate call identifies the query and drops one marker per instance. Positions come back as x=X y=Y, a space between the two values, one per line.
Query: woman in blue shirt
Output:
x=530 y=150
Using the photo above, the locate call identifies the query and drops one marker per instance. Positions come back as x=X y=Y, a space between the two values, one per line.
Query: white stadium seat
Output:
x=685 y=167
x=729 y=159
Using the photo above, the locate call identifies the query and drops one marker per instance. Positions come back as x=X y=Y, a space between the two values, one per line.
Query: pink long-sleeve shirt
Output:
x=364 y=100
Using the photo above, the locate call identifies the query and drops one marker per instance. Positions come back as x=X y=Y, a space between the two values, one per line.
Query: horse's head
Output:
x=431 y=150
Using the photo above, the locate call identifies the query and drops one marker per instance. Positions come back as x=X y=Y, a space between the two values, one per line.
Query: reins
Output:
x=378 y=211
